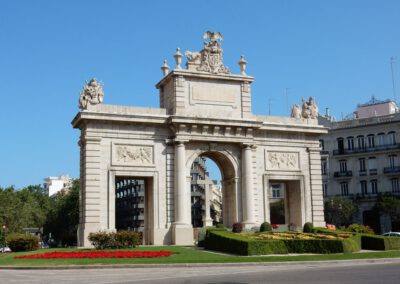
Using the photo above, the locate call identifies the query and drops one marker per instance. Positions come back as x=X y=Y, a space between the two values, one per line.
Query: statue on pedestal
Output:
x=308 y=109
x=92 y=93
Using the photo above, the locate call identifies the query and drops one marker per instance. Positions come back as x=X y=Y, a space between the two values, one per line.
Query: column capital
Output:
x=248 y=145
x=180 y=142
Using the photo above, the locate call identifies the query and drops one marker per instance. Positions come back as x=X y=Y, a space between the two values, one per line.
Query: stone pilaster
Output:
x=247 y=187
x=182 y=231
x=90 y=206
x=317 y=200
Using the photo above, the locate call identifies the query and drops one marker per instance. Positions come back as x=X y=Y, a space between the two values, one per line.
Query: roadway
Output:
x=362 y=272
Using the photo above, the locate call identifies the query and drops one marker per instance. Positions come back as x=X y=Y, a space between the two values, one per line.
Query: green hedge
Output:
x=120 y=239
x=233 y=243
x=22 y=242
x=373 y=242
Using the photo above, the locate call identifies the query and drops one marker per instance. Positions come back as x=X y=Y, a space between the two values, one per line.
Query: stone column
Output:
x=207 y=195
x=247 y=188
x=182 y=231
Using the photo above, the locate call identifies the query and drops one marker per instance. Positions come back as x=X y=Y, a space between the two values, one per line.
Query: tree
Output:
x=23 y=208
x=339 y=211
x=63 y=218
x=390 y=205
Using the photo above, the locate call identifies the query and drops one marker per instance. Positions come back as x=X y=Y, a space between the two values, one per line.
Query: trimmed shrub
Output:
x=361 y=229
x=121 y=239
x=22 y=242
x=101 y=239
x=201 y=235
x=219 y=226
x=239 y=244
x=265 y=227
x=373 y=242
x=308 y=227
x=237 y=227
x=127 y=239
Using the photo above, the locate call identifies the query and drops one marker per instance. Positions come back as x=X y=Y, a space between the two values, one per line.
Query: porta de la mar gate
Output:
x=204 y=111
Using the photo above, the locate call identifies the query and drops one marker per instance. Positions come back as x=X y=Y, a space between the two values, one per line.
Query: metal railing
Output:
x=343 y=174
x=391 y=170
x=366 y=149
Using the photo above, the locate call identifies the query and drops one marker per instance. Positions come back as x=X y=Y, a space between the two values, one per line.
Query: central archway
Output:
x=228 y=166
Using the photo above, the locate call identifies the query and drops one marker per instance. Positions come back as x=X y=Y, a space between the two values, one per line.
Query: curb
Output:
x=193 y=265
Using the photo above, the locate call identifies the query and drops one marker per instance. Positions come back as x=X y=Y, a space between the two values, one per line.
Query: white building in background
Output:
x=360 y=159
x=54 y=184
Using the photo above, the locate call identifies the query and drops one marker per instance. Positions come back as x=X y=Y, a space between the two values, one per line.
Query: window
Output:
x=343 y=166
x=276 y=191
x=371 y=141
x=392 y=160
x=340 y=144
x=362 y=164
x=392 y=138
x=324 y=166
x=372 y=166
x=361 y=142
x=381 y=139
x=344 y=188
x=395 y=185
x=363 y=186
x=325 y=188
x=374 y=186
x=350 y=143
x=321 y=145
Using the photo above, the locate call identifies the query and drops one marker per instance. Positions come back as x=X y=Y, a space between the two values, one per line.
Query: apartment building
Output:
x=360 y=158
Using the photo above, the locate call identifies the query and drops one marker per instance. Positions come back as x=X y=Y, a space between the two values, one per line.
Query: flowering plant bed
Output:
x=96 y=254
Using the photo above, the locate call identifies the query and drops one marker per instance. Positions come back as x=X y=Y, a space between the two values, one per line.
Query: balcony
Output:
x=373 y=172
x=362 y=173
x=366 y=150
x=324 y=152
x=345 y=174
x=391 y=170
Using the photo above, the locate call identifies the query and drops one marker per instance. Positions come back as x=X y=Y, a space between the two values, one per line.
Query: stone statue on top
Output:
x=92 y=93
x=209 y=59
x=308 y=109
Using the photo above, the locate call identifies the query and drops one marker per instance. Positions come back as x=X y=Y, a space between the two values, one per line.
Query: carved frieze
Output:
x=282 y=161
x=134 y=155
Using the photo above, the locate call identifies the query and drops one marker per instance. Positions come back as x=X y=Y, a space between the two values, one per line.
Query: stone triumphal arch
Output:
x=204 y=111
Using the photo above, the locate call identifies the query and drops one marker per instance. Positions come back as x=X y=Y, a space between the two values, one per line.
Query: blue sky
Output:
x=336 y=51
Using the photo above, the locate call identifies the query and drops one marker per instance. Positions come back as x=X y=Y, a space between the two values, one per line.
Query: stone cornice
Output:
x=203 y=75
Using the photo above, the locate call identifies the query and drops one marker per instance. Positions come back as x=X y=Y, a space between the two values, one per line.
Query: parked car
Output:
x=5 y=249
x=391 y=234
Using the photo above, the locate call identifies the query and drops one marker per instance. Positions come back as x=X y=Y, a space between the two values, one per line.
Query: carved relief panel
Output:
x=287 y=161
x=132 y=155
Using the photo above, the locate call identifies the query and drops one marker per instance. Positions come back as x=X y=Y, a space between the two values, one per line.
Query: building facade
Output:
x=54 y=184
x=360 y=159
x=205 y=111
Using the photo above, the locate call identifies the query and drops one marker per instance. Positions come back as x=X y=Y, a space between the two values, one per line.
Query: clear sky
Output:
x=336 y=51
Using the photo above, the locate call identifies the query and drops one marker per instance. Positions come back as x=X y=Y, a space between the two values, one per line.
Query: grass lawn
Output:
x=182 y=255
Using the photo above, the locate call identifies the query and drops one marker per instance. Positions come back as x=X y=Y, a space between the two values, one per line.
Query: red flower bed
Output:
x=98 y=254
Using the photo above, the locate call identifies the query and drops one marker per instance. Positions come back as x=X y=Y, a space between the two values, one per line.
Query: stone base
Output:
x=248 y=226
x=182 y=235
x=208 y=222
x=162 y=237
x=319 y=224
x=83 y=232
